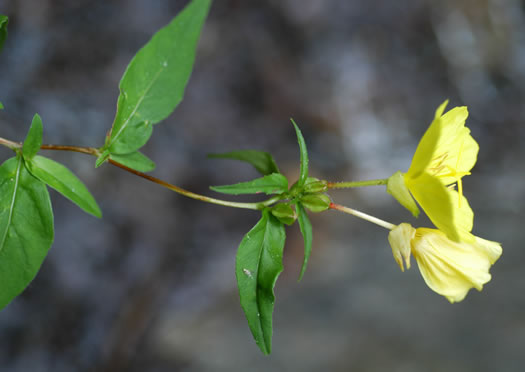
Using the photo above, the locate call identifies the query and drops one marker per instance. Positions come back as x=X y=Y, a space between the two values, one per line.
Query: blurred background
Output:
x=151 y=286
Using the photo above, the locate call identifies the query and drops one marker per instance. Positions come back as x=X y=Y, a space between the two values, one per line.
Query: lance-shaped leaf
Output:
x=306 y=230
x=155 y=79
x=303 y=174
x=262 y=161
x=3 y=30
x=33 y=139
x=26 y=228
x=61 y=179
x=274 y=183
x=134 y=160
x=258 y=264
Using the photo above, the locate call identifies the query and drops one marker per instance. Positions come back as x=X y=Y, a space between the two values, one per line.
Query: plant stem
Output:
x=96 y=152
x=364 y=216
x=344 y=185
x=192 y=195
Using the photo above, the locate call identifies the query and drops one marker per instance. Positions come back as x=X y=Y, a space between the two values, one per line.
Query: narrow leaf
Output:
x=134 y=160
x=61 y=179
x=33 y=139
x=26 y=228
x=306 y=231
x=303 y=175
x=262 y=161
x=3 y=30
x=258 y=264
x=155 y=79
x=274 y=183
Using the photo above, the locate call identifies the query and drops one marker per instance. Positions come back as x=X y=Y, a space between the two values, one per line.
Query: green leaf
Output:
x=262 y=161
x=1 y=106
x=26 y=228
x=258 y=264
x=3 y=30
x=155 y=79
x=61 y=179
x=397 y=188
x=134 y=160
x=306 y=231
x=33 y=139
x=303 y=175
x=274 y=183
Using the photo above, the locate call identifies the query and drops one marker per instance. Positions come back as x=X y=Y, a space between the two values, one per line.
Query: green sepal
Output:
x=396 y=187
x=303 y=173
x=4 y=21
x=261 y=160
x=26 y=227
x=316 y=202
x=274 y=183
x=306 y=231
x=257 y=267
x=154 y=81
x=284 y=213
x=33 y=139
x=135 y=160
x=102 y=158
x=61 y=179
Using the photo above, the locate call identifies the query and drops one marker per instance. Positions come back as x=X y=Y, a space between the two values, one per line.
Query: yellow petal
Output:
x=399 y=239
x=450 y=268
x=442 y=206
x=446 y=150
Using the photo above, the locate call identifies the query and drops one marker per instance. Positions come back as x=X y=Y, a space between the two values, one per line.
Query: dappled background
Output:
x=151 y=286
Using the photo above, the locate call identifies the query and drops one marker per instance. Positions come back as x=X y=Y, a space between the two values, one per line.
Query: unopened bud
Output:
x=284 y=213
x=316 y=202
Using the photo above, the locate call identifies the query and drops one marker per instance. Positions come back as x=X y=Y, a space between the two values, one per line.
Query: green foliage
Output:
x=61 y=179
x=306 y=230
x=274 y=183
x=3 y=30
x=1 y=106
x=262 y=161
x=33 y=139
x=26 y=227
x=155 y=79
x=303 y=175
x=258 y=264
x=134 y=160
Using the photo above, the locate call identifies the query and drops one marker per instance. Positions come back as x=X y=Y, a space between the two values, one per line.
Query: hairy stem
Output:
x=96 y=152
x=344 y=185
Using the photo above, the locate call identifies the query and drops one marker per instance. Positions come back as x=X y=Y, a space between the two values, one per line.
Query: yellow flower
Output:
x=446 y=153
x=449 y=268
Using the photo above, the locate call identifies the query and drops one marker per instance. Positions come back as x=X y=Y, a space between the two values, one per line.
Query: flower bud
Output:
x=284 y=213
x=316 y=202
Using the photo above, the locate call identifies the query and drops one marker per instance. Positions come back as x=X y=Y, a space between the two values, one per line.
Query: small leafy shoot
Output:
x=262 y=161
x=33 y=139
x=274 y=183
x=303 y=175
